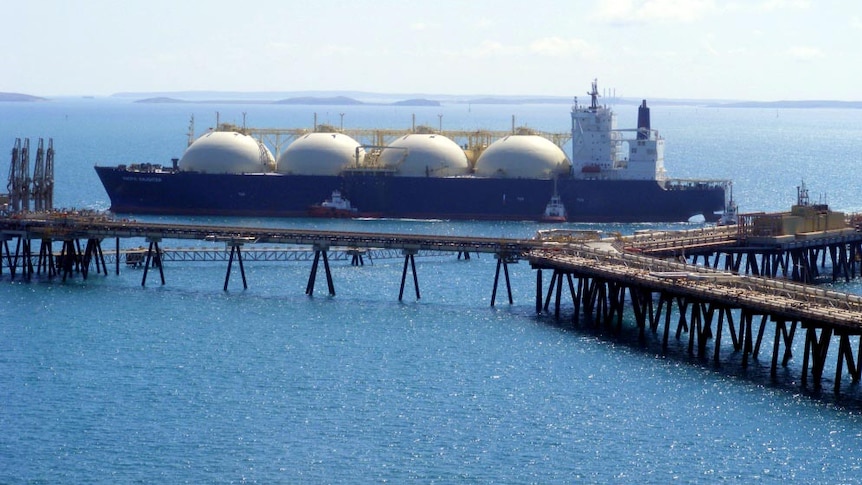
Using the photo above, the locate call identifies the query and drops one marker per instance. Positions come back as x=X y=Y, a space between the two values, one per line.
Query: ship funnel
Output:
x=643 y=121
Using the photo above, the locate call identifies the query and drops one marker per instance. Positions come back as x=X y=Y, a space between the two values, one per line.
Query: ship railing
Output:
x=369 y=170
x=653 y=134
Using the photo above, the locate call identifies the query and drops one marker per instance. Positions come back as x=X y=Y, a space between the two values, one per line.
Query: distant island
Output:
x=160 y=99
x=299 y=101
x=363 y=98
x=313 y=100
x=416 y=102
x=19 y=97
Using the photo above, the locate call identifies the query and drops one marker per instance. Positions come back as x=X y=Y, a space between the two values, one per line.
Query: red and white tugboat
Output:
x=555 y=211
x=336 y=207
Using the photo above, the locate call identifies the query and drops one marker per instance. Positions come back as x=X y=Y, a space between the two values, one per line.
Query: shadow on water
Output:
x=730 y=364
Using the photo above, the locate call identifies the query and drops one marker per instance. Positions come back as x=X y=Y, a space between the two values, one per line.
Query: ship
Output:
x=613 y=175
x=555 y=211
x=337 y=207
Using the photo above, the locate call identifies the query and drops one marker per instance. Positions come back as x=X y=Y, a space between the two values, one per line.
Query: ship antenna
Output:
x=802 y=195
x=594 y=95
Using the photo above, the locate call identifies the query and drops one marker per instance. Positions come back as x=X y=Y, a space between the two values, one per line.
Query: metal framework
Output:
x=701 y=301
x=21 y=186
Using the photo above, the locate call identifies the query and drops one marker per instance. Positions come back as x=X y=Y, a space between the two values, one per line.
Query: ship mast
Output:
x=594 y=96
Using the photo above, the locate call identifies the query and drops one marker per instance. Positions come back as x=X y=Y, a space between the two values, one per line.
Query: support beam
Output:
x=154 y=257
x=502 y=260
x=409 y=258
x=320 y=253
x=538 y=291
x=235 y=249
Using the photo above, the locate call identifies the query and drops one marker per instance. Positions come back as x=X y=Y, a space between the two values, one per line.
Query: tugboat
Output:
x=729 y=217
x=555 y=211
x=335 y=207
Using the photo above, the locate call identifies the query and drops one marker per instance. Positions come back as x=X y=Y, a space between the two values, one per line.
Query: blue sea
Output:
x=105 y=381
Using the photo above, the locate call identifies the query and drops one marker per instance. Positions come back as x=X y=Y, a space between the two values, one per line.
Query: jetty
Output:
x=652 y=279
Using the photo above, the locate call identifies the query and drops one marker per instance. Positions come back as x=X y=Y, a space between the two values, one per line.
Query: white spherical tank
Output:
x=320 y=154
x=226 y=152
x=425 y=155
x=522 y=156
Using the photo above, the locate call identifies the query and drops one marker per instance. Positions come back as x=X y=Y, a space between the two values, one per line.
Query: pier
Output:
x=71 y=229
x=650 y=279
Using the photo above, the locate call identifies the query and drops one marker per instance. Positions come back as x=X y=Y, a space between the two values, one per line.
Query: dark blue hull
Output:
x=272 y=195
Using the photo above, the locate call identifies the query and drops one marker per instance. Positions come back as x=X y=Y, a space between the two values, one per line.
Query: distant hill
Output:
x=416 y=102
x=160 y=99
x=360 y=98
x=313 y=100
x=301 y=101
x=19 y=97
x=347 y=101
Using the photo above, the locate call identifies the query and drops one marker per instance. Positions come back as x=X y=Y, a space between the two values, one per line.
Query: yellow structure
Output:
x=800 y=220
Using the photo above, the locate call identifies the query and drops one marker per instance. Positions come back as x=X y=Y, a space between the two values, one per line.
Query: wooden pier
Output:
x=648 y=279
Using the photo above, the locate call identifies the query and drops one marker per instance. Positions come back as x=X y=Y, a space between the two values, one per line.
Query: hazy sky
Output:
x=741 y=49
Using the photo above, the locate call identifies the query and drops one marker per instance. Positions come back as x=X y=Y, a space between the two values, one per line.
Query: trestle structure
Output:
x=153 y=258
x=320 y=251
x=828 y=259
x=704 y=302
x=235 y=249
x=806 y=258
x=357 y=256
x=409 y=257
x=706 y=305
x=503 y=261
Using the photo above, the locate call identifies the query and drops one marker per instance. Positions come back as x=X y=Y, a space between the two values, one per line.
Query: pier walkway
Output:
x=605 y=279
x=94 y=228
x=801 y=257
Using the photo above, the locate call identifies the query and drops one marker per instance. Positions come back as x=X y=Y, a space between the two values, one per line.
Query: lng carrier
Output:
x=614 y=175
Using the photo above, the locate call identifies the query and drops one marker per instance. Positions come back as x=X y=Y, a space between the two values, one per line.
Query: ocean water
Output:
x=105 y=381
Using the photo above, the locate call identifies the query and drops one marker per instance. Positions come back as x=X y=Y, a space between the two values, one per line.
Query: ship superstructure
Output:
x=602 y=151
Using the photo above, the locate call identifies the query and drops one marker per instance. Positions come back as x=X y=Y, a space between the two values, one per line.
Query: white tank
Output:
x=522 y=156
x=425 y=155
x=226 y=152
x=319 y=154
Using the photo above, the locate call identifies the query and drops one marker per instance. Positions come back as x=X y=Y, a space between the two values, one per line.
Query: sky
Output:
x=764 y=50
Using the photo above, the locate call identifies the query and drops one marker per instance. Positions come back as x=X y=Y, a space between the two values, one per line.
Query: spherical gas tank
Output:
x=425 y=155
x=320 y=154
x=226 y=152
x=522 y=156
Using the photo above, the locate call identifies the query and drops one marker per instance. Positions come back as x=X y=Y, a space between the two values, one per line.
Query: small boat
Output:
x=730 y=215
x=336 y=206
x=555 y=211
